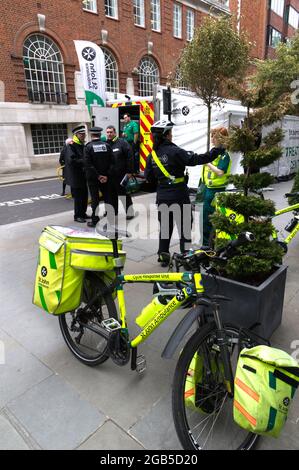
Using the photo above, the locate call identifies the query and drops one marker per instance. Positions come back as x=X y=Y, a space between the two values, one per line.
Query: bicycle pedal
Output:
x=111 y=324
x=140 y=364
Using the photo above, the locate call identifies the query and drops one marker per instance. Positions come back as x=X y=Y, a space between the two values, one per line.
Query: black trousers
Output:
x=115 y=190
x=94 y=188
x=170 y=214
x=80 y=196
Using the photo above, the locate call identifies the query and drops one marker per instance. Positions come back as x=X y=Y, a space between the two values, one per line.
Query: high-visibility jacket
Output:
x=211 y=179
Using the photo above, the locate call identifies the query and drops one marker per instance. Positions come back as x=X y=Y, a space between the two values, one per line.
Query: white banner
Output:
x=288 y=164
x=92 y=66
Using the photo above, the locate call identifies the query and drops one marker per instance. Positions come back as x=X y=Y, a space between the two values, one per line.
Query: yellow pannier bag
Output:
x=64 y=254
x=265 y=384
x=197 y=396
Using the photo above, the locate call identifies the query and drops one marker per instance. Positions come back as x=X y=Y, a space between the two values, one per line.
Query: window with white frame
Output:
x=275 y=37
x=44 y=70
x=277 y=6
x=190 y=20
x=139 y=15
x=177 y=20
x=90 y=5
x=148 y=75
x=156 y=15
x=48 y=138
x=112 y=83
x=111 y=8
x=293 y=17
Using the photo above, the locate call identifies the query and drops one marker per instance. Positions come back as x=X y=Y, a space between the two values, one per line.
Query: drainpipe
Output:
x=239 y=15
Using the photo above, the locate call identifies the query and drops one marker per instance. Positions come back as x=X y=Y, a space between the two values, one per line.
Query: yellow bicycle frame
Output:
x=175 y=303
x=294 y=231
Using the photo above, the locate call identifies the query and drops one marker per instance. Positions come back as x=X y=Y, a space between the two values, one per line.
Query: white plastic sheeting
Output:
x=190 y=117
x=289 y=162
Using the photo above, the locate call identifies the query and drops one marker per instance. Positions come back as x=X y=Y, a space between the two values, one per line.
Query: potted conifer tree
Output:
x=256 y=278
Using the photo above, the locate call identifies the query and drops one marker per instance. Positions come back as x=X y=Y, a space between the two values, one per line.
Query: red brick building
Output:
x=267 y=22
x=41 y=94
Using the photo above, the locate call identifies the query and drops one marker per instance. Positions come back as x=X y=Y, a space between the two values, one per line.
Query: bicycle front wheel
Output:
x=87 y=345
x=202 y=407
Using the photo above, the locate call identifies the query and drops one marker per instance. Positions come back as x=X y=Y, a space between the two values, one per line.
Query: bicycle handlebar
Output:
x=193 y=259
x=242 y=239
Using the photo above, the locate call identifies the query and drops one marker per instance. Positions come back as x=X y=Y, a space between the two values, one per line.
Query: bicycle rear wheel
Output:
x=202 y=407
x=88 y=346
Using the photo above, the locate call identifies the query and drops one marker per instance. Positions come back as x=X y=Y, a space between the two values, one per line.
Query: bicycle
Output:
x=292 y=227
x=94 y=332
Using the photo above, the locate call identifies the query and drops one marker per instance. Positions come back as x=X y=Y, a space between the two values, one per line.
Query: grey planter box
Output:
x=250 y=304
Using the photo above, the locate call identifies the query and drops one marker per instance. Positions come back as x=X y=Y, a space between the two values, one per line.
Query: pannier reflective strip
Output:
x=273 y=376
x=247 y=390
x=245 y=413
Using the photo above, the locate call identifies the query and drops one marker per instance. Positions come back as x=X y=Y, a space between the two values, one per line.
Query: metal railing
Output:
x=47 y=97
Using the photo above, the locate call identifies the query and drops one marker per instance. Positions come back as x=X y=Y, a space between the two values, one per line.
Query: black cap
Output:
x=78 y=129
x=96 y=130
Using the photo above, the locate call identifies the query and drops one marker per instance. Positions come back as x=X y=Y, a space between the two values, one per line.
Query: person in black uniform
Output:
x=166 y=165
x=74 y=173
x=98 y=160
x=122 y=165
x=62 y=164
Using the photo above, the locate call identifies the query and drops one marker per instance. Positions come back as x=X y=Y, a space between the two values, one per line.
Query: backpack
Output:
x=265 y=384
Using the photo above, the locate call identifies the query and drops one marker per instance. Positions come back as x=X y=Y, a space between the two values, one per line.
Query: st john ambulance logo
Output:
x=286 y=401
x=185 y=111
x=180 y=296
x=44 y=271
x=89 y=54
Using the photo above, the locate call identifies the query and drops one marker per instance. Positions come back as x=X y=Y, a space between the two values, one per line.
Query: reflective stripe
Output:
x=272 y=419
x=42 y=298
x=52 y=260
x=246 y=415
x=162 y=168
x=247 y=390
x=189 y=393
x=211 y=179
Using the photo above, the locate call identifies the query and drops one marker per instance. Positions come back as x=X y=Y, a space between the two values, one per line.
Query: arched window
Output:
x=148 y=75
x=44 y=70
x=111 y=72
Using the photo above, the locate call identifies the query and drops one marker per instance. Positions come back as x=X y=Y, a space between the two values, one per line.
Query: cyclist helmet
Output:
x=161 y=127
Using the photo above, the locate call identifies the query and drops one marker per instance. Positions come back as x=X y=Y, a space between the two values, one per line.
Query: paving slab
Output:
x=10 y=439
x=55 y=415
x=20 y=370
x=111 y=437
x=156 y=430
x=83 y=407
x=109 y=386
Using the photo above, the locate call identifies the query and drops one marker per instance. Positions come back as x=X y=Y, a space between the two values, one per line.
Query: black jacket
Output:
x=122 y=157
x=74 y=166
x=97 y=159
x=175 y=160
x=62 y=155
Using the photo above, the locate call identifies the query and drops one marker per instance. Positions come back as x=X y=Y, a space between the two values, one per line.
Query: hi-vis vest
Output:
x=211 y=180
